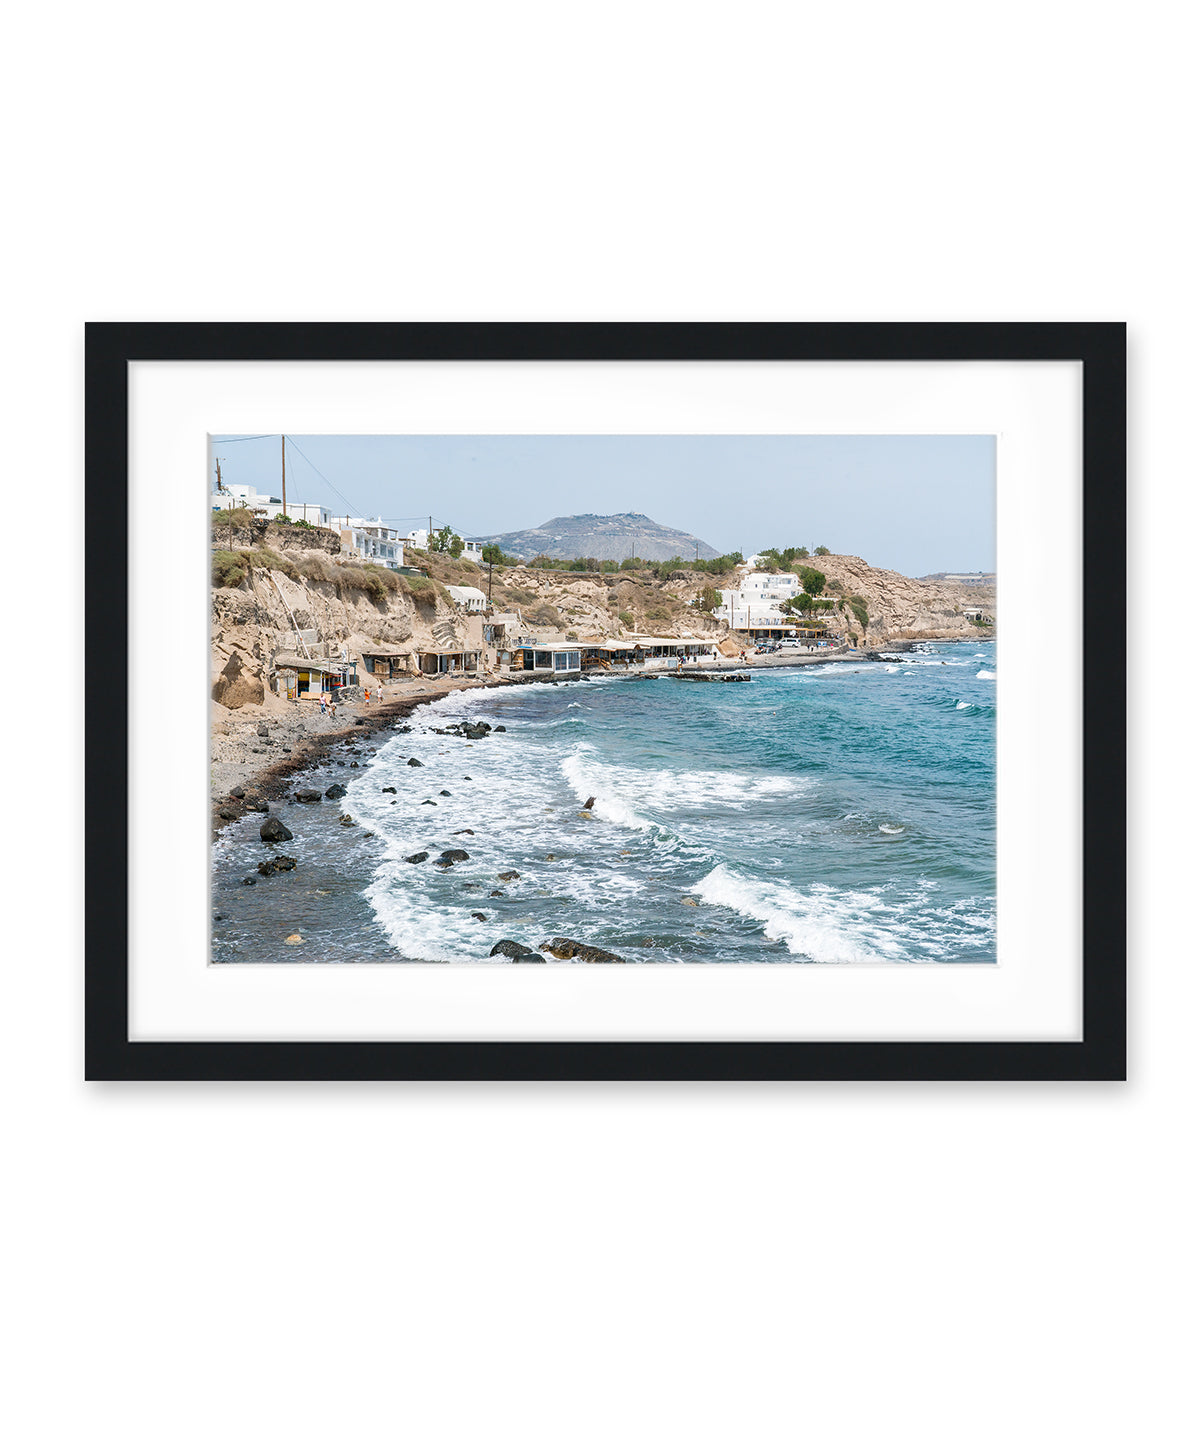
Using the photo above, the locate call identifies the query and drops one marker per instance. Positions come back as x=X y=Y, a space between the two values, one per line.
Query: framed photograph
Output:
x=588 y=701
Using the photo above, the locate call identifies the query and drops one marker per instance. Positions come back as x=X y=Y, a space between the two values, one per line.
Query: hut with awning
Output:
x=388 y=665
x=304 y=677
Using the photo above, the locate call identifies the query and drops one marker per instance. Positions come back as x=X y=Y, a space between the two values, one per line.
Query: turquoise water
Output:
x=833 y=814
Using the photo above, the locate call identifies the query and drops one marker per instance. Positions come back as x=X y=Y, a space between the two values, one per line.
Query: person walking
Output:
x=322 y=703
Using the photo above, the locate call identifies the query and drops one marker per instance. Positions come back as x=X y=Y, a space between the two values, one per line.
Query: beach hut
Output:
x=554 y=656
x=448 y=662
x=300 y=677
x=388 y=664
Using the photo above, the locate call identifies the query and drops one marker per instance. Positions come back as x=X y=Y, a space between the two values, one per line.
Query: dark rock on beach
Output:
x=518 y=953
x=335 y=792
x=276 y=865
x=418 y=857
x=388 y=790
x=346 y=820
x=274 y=829
x=260 y=807
x=307 y=797
x=416 y=762
x=563 y=949
x=238 y=792
x=454 y=855
x=249 y=880
x=226 y=813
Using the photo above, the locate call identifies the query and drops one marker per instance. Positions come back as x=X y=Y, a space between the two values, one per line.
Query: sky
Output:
x=913 y=503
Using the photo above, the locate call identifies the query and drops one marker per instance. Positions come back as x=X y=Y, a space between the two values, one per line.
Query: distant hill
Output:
x=601 y=537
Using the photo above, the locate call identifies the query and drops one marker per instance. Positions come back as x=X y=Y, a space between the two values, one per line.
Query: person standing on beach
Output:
x=322 y=703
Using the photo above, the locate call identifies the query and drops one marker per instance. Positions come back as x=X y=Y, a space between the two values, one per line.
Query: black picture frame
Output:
x=1098 y=1055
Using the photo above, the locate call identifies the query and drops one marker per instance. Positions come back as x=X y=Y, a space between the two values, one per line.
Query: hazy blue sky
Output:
x=913 y=503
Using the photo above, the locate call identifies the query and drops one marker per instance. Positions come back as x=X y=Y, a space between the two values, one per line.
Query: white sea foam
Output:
x=829 y=926
x=892 y=829
x=986 y=675
x=826 y=926
x=964 y=705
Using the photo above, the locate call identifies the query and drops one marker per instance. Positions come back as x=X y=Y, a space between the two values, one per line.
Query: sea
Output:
x=827 y=814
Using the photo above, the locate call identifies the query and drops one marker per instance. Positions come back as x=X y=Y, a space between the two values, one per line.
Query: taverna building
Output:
x=758 y=602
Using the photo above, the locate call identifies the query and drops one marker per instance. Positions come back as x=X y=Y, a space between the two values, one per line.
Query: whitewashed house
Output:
x=374 y=541
x=466 y=597
x=229 y=497
x=758 y=601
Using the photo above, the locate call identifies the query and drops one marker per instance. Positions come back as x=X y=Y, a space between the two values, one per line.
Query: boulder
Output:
x=260 y=807
x=249 y=880
x=478 y=915
x=276 y=865
x=307 y=797
x=496 y=894
x=416 y=762
x=238 y=792
x=428 y=802
x=530 y=957
x=418 y=857
x=236 y=686
x=443 y=864
x=387 y=790
x=454 y=855
x=274 y=829
x=500 y=730
x=589 y=802
x=563 y=949
x=464 y=832
x=226 y=813
x=508 y=875
x=345 y=820
x=262 y=728
x=335 y=792
x=445 y=792
x=513 y=948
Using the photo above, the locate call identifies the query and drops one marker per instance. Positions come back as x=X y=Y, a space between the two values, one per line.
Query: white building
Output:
x=468 y=598
x=472 y=549
x=758 y=601
x=373 y=540
x=231 y=496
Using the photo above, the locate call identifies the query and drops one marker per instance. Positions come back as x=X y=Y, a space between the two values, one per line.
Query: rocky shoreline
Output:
x=246 y=778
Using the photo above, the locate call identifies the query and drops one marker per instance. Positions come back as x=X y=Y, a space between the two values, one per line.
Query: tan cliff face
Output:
x=251 y=623
x=900 y=608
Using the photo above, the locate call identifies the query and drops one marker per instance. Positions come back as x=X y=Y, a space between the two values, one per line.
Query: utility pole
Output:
x=283 y=468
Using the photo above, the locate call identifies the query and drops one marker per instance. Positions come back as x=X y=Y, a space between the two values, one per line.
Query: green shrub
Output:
x=546 y=615
x=859 y=606
x=227 y=569
x=241 y=517
x=315 y=567
x=626 y=619
x=264 y=558
x=821 y=550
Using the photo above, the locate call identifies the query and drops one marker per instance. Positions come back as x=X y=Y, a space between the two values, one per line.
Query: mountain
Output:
x=601 y=537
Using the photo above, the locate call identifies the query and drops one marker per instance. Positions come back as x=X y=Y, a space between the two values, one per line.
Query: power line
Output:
x=237 y=439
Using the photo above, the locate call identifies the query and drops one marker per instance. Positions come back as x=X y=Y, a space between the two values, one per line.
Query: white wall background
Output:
x=707 y=1261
